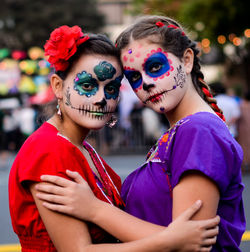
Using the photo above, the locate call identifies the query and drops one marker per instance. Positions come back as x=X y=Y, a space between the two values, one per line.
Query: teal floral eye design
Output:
x=85 y=84
x=112 y=89
x=104 y=71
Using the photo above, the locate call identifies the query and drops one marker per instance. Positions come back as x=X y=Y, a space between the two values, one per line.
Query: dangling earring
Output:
x=112 y=122
x=59 y=110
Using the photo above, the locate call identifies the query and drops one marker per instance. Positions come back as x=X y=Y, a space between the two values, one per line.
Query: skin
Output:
x=158 y=93
x=68 y=195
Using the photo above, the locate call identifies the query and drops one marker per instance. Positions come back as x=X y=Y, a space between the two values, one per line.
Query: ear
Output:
x=188 y=59
x=57 y=86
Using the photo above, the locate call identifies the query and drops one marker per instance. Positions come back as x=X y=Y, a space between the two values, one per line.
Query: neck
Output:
x=75 y=133
x=191 y=103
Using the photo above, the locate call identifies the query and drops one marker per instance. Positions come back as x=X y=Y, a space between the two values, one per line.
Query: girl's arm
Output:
x=70 y=234
x=78 y=200
x=192 y=186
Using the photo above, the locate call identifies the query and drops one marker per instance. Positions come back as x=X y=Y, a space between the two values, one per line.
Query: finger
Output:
x=206 y=249
x=188 y=213
x=76 y=176
x=211 y=232
x=210 y=223
x=56 y=180
x=57 y=208
x=50 y=188
x=209 y=241
x=50 y=197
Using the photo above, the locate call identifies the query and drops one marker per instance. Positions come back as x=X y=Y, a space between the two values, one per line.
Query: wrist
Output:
x=97 y=210
x=166 y=241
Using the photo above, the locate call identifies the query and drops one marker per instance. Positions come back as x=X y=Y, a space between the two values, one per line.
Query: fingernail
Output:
x=198 y=202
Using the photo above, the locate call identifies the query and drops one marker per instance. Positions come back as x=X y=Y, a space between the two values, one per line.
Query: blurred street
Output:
x=123 y=165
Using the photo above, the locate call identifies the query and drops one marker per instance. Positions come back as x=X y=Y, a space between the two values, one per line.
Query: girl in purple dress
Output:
x=196 y=158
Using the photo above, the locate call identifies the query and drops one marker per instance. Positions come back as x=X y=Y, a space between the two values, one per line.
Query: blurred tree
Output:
x=157 y=7
x=218 y=17
x=26 y=23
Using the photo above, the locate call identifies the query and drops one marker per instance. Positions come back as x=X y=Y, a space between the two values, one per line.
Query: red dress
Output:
x=48 y=152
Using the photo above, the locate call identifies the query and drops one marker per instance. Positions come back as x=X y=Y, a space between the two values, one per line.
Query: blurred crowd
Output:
x=136 y=130
x=237 y=114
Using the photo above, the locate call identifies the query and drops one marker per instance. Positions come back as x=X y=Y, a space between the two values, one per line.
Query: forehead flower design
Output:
x=160 y=24
x=104 y=71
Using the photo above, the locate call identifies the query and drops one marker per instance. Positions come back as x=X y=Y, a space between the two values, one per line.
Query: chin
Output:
x=96 y=124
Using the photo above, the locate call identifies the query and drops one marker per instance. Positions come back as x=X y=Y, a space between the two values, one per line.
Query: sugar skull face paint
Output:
x=89 y=110
x=104 y=71
x=85 y=84
x=112 y=89
x=87 y=101
x=156 y=65
x=158 y=79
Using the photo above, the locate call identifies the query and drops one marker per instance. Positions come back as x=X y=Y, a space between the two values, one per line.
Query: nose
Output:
x=147 y=87
x=147 y=82
x=101 y=103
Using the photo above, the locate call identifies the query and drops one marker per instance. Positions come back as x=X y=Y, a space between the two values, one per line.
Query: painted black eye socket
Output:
x=87 y=86
x=110 y=89
x=155 y=67
x=135 y=76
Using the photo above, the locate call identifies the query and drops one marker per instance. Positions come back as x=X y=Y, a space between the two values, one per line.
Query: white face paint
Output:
x=157 y=77
x=91 y=90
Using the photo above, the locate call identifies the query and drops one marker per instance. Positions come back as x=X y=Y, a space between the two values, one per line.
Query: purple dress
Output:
x=199 y=142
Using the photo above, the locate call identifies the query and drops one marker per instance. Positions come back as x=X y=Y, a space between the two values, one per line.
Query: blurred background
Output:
x=221 y=29
x=222 y=32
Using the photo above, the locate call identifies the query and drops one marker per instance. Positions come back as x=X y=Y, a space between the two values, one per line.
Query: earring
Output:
x=58 y=109
x=112 y=122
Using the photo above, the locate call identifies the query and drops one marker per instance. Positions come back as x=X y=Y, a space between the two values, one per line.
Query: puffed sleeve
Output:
x=52 y=157
x=197 y=147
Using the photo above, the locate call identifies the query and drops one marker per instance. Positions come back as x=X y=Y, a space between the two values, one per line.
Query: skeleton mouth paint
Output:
x=158 y=96
x=89 y=110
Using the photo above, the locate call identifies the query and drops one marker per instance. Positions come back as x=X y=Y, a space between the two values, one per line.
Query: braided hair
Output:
x=170 y=35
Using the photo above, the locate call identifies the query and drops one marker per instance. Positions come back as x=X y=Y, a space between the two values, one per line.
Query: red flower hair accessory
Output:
x=62 y=45
x=176 y=27
x=160 y=24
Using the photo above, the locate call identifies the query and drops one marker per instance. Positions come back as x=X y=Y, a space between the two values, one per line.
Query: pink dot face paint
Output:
x=132 y=53
x=138 y=55
x=125 y=58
